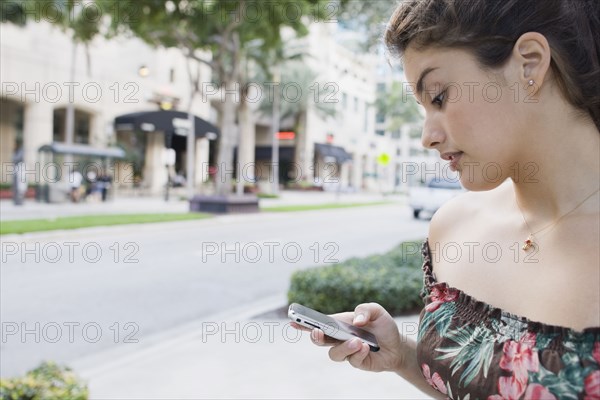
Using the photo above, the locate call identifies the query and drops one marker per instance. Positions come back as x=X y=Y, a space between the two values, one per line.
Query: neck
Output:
x=559 y=170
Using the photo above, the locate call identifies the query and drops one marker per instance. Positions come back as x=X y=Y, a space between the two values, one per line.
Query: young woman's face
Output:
x=473 y=116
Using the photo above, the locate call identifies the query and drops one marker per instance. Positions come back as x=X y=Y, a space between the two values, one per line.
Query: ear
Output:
x=531 y=55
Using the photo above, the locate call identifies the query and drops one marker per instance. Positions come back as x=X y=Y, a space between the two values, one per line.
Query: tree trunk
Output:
x=225 y=167
x=246 y=143
x=302 y=166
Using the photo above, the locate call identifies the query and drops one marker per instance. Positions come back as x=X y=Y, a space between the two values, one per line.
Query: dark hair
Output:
x=490 y=28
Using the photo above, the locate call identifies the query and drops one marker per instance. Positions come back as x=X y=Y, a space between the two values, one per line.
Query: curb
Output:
x=126 y=228
x=108 y=360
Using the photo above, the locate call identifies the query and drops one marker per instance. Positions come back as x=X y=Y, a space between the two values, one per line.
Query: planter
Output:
x=224 y=204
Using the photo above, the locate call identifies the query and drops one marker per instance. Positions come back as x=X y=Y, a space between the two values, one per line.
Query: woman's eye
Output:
x=439 y=99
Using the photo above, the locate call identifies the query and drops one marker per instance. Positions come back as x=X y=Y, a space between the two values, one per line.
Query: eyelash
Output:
x=439 y=99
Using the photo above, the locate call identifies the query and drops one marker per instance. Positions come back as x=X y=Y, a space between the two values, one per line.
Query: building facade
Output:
x=353 y=149
x=43 y=73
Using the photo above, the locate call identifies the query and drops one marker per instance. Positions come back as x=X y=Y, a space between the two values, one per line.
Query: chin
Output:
x=478 y=185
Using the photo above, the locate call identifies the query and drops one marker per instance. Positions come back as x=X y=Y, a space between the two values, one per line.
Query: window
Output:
x=380 y=132
x=81 y=128
x=344 y=100
x=380 y=118
x=380 y=87
x=172 y=75
x=355 y=104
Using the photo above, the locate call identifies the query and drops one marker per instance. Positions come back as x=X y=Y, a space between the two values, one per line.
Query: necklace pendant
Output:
x=527 y=244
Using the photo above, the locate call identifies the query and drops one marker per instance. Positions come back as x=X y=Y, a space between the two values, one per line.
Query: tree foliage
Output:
x=218 y=34
x=83 y=23
x=369 y=18
x=398 y=106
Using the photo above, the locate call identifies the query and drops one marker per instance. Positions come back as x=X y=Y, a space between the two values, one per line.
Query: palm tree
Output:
x=295 y=73
x=398 y=107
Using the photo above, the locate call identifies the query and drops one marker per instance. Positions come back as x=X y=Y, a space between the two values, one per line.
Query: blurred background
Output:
x=175 y=173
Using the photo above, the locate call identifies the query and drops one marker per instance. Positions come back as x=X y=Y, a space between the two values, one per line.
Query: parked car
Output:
x=430 y=198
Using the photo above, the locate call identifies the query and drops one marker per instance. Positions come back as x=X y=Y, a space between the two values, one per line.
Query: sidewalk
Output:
x=121 y=205
x=239 y=356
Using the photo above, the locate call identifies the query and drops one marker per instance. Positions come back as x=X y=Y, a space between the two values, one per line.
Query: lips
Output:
x=454 y=158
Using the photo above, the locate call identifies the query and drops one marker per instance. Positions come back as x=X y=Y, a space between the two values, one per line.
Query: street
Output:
x=69 y=295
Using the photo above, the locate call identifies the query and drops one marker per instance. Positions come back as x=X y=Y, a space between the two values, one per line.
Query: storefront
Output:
x=146 y=135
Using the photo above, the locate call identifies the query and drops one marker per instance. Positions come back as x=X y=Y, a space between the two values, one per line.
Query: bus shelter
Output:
x=63 y=167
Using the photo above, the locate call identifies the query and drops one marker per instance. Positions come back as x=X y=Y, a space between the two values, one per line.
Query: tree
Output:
x=368 y=18
x=222 y=29
x=303 y=96
x=398 y=106
x=67 y=15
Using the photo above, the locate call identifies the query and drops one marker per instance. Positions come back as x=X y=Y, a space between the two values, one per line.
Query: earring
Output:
x=531 y=82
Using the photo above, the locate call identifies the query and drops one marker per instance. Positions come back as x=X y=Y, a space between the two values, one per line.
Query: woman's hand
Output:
x=377 y=321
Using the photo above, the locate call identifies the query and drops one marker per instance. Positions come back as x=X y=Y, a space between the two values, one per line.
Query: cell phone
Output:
x=330 y=326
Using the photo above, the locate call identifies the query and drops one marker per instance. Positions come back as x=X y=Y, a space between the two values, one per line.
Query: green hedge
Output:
x=47 y=382
x=267 y=196
x=393 y=279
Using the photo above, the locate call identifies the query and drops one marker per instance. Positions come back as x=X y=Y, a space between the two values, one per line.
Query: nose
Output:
x=433 y=135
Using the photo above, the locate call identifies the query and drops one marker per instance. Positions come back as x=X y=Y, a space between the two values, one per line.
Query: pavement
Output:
x=32 y=209
x=238 y=355
x=248 y=352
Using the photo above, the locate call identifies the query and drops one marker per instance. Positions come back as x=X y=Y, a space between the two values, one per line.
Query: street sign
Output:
x=383 y=159
x=286 y=135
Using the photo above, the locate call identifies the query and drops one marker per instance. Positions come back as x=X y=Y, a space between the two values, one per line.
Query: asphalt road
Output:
x=67 y=296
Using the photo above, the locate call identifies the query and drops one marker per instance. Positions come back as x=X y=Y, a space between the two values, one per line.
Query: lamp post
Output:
x=275 y=130
x=168 y=161
x=143 y=71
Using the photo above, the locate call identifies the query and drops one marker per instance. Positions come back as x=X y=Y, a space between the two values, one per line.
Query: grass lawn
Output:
x=307 y=207
x=87 y=221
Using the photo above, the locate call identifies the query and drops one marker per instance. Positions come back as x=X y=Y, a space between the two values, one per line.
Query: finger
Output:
x=366 y=312
x=340 y=352
x=357 y=358
x=345 y=316
x=320 y=339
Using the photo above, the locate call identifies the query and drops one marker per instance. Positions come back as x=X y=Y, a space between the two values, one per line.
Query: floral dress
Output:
x=468 y=349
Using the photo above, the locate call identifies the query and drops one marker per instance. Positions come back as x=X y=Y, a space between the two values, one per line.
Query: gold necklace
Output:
x=529 y=242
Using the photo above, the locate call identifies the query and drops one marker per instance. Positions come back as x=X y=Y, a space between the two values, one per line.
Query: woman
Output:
x=511 y=92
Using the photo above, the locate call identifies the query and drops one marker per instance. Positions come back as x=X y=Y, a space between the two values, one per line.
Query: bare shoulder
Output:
x=468 y=211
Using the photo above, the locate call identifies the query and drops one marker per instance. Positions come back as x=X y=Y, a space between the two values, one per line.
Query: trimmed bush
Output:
x=393 y=279
x=47 y=382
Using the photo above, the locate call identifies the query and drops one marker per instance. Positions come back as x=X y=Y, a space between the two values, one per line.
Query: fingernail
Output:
x=313 y=335
x=360 y=318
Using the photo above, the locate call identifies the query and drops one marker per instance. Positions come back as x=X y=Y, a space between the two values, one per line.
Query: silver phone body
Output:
x=331 y=327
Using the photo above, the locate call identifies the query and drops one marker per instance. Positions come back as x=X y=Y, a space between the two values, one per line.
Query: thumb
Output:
x=366 y=312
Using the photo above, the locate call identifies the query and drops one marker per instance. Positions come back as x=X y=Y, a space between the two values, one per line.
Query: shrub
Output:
x=46 y=382
x=393 y=279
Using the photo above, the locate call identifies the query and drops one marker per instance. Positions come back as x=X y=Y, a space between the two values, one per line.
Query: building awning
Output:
x=286 y=153
x=329 y=150
x=82 y=150
x=170 y=122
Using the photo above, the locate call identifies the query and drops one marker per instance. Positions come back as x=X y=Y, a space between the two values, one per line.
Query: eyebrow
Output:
x=422 y=76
